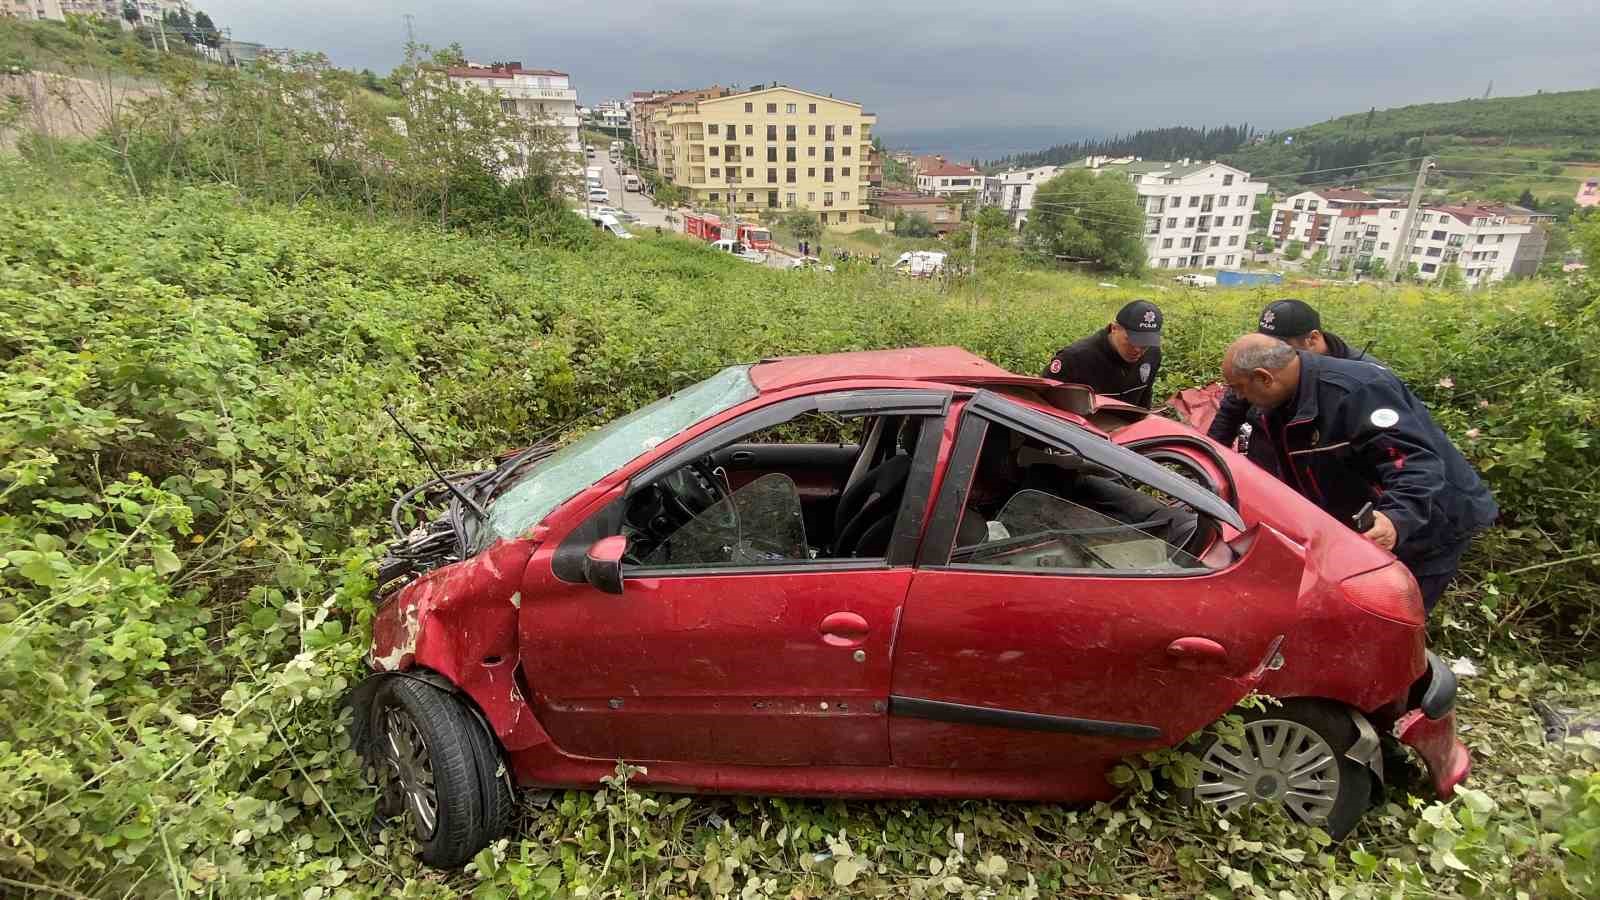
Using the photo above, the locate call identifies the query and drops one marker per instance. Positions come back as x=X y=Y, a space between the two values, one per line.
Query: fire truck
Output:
x=755 y=237
x=706 y=227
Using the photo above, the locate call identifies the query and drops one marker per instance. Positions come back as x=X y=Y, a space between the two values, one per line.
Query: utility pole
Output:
x=1401 y=257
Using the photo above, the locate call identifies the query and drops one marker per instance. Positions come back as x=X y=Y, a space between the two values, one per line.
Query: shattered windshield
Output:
x=602 y=451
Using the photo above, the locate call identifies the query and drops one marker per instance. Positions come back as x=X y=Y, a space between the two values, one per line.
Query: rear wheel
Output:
x=437 y=769
x=1292 y=756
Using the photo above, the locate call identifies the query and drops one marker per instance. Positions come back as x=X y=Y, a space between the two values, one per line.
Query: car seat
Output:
x=867 y=509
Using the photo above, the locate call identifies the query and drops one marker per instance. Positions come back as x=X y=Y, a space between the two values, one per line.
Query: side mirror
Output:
x=602 y=564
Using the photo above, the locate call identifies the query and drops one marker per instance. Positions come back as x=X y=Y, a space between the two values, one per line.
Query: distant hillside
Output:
x=1154 y=143
x=1530 y=133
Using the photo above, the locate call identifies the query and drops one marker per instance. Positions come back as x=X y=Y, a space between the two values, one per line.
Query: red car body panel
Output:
x=785 y=682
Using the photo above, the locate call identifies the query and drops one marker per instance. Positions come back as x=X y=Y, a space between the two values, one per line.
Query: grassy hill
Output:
x=1490 y=148
x=194 y=471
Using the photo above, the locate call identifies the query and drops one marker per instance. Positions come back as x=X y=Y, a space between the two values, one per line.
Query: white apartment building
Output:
x=1340 y=220
x=1012 y=192
x=528 y=92
x=941 y=179
x=1484 y=241
x=1197 y=214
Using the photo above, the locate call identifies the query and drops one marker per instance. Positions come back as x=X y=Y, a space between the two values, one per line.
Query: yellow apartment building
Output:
x=770 y=148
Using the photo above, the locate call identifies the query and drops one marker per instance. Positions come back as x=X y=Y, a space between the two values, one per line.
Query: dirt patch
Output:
x=68 y=106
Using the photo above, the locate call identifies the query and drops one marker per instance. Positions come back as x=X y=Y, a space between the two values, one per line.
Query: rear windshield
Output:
x=600 y=452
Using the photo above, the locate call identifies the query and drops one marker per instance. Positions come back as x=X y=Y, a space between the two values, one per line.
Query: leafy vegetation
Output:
x=1151 y=143
x=1080 y=217
x=194 y=470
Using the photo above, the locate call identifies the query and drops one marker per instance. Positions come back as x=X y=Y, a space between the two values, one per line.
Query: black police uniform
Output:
x=1234 y=411
x=1094 y=362
x=1355 y=433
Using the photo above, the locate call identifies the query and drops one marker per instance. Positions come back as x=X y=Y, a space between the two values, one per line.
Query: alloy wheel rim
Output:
x=408 y=772
x=1280 y=762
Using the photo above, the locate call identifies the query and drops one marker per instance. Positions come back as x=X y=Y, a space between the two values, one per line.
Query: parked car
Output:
x=921 y=263
x=728 y=245
x=631 y=183
x=598 y=195
x=1195 y=280
x=962 y=583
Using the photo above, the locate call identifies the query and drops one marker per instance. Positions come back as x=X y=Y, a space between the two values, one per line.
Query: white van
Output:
x=631 y=183
x=921 y=263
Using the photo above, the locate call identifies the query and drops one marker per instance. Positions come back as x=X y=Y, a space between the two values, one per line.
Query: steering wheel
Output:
x=692 y=489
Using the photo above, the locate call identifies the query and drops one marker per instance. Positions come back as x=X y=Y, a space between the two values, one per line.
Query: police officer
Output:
x=1296 y=322
x=1347 y=433
x=1118 y=361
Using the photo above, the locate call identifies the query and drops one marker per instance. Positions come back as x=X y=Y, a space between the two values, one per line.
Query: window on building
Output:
x=1383 y=246
x=1228 y=261
x=716 y=173
x=788 y=132
x=712 y=128
x=844 y=172
x=789 y=108
x=845 y=150
x=1216 y=240
x=1166 y=243
x=1188 y=222
x=788 y=175
x=1194 y=201
x=749 y=107
x=714 y=151
x=749 y=130
x=827 y=173
x=772 y=132
x=772 y=199
x=1172 y=222
x=1429 y=267
x=749 y=198
x=772 y=107
x=1222 y=200
x=715 y=196
x=824 y=218
x=789 y=198
x=1237 y=221
x=1185 y=243
x=1313 y=205
x=1437 y=236
x=811 y=130
x=811 y=108
x=1227 y=180
x=811 y=173
x=1299 y=204
x=772 y=176
x=848 y=128
x=1174 y=202
x=844 y=196
x=1499 y=239
x=811 y=151
x=827 y=132
x=827 y=198
x=827 y=154
x=772 y=154
x=1244 y=200
x=811 y=196
x=1211 y=261
x=1394 y=213
x=788 y=155
x=1233 y=240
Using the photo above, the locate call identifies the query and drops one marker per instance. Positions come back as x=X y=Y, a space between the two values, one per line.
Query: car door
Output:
x=775 y=660
x=1053 y=661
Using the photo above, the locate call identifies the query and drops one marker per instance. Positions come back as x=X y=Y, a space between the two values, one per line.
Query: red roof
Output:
x=944 y=169
x=497 y=72
x=948 y=365
x=1467 y=212
x=909 y=198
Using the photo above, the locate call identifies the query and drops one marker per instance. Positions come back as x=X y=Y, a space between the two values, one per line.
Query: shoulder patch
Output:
x=1384 y=417
x=1144 y=372
x=1055 y=366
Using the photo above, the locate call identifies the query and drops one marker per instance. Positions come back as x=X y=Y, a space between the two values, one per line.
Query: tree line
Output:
x=1175 y=142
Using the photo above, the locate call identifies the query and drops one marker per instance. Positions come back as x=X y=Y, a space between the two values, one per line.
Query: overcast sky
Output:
x=1077 y=68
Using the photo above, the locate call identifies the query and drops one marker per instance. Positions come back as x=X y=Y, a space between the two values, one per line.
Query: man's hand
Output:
x=1382 y=531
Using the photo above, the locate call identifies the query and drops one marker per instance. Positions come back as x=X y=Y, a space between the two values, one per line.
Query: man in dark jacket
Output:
x=1119 y=361
x=1347 y=433
x=1298 y=324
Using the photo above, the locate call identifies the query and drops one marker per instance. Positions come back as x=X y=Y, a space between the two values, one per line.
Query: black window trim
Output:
x=986 y=407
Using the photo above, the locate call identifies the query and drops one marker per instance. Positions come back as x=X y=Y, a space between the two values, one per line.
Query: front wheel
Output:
x=1292 y=756
x=437 y=768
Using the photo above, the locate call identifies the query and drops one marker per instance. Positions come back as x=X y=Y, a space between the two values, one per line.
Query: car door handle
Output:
x=741 y=457
x=843 y=629
x=1197 y=649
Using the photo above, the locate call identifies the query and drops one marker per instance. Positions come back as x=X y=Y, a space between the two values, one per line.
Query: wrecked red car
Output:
x=902 y=573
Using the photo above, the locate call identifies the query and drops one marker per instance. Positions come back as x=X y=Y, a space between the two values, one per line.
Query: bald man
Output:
x=1348 y=432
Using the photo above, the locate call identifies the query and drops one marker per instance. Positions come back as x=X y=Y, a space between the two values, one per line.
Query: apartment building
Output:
x=33 y=10
x=941 y=179
x=942 y=213
x=1012 y=192
x=1484 y=241
x=1197 y=214
x=770 y=148
x=545 y=93
x=1339 y=220
x=650 y=129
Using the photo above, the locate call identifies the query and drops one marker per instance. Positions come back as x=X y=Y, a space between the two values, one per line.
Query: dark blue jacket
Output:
x=1354 y=433
x=1235 y=411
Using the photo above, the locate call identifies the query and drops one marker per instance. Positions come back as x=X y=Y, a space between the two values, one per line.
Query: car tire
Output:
x=1317 y=784
x=437 y=769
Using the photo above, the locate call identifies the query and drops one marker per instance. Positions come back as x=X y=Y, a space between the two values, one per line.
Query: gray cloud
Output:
x=1065 y=67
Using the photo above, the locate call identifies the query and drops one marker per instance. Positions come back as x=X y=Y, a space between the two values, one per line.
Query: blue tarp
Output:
x=1237 y=279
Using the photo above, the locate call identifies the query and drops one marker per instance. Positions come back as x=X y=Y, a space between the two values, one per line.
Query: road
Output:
x=634 y=202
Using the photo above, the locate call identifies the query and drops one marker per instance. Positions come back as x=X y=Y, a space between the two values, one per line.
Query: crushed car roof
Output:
x=949 y=365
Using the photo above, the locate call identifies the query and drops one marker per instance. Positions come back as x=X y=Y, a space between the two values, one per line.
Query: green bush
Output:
x=195 y=468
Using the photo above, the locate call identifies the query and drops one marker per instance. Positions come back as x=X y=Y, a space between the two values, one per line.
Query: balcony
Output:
x=697 y=157
x=528 y=92
x=697 y=181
